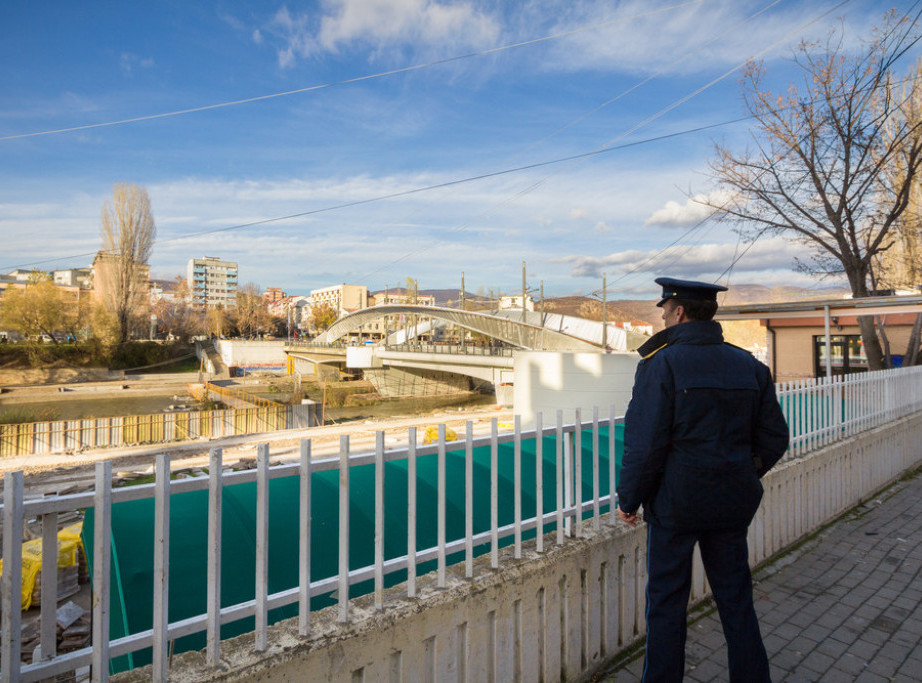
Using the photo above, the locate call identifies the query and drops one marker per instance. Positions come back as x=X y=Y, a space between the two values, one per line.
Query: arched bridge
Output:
x=548 y=332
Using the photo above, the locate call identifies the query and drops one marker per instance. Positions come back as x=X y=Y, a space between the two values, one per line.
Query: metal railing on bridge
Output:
x=390 y=515
x=468 y=349
x=454 y=349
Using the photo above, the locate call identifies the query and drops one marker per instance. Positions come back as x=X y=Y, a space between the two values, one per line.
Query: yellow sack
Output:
x=68 y=544
x=432 y=435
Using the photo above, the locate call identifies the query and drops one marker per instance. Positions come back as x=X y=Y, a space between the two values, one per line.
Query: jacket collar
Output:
x=691 y=332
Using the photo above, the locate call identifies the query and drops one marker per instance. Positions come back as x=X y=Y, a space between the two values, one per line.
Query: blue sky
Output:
x=66 y=65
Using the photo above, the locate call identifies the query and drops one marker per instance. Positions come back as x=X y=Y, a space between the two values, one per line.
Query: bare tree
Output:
x=216 y=321
x=833 y=159
x=128 y=234
x=176 y=316
x=251 y=314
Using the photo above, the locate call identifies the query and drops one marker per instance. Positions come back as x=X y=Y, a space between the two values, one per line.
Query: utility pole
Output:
x=523 y=291
x=543 y=320
x=604 y=312
x=461 y=330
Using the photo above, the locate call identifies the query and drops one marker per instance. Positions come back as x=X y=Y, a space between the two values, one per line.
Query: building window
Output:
x=846 y=354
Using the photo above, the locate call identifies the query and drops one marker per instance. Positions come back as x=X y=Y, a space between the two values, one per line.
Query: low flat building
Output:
x=801 y=335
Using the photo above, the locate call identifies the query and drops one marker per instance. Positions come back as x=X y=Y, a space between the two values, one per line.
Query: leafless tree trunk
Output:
x=912 y=348
x=128 y=234
x=833 y=162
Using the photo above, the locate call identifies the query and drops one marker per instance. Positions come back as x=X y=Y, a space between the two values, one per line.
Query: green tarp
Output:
x=133 y=532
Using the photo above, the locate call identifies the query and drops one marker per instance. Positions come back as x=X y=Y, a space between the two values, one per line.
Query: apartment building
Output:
x=273 y=296
x=342 y=298
x=73 y=277
x=389 y=324
x=213 y=282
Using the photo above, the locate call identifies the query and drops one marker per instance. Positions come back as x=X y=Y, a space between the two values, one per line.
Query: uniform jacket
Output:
x=702 y=427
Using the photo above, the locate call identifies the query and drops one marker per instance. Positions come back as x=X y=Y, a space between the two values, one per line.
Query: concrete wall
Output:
x=547 y=381
x=242 y=352
x=394 y=382
x=556 y=616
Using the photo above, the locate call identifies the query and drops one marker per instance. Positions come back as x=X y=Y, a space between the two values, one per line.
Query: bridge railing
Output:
x=454 y=349
x=468 y=349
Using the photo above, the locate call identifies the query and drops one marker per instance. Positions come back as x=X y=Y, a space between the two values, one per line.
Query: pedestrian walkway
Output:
x=845 y=606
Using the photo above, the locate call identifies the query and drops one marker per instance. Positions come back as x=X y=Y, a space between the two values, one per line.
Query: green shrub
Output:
x=22 y=415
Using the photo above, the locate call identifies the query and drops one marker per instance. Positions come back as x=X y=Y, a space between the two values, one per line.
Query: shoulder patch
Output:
x=655 y=351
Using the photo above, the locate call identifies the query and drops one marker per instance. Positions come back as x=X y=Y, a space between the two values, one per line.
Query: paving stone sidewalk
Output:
x=846 y=606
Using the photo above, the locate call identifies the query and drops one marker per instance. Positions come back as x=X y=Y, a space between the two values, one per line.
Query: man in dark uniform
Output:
x=702 y=427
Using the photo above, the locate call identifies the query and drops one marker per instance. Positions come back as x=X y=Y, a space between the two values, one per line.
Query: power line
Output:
x=419 y=190
x=356 y=79
x=662 y=112
x=623 y=93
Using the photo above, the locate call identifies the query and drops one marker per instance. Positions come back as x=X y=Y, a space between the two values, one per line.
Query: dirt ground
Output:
x=32 y=377
x=70 y=472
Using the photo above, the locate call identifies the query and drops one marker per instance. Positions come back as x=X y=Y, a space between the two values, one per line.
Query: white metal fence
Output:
x=820 y=412
x=570 y=501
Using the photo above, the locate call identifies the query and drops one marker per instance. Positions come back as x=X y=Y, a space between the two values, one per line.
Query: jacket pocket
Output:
x=715 y=497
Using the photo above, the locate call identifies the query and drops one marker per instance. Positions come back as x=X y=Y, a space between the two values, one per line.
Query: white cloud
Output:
x=603 y=227
x=645 y=39
x=257 y=36
x=434 y=26
x=577 y=214
x=695 y=209
x=128 y=62
x=692 y=261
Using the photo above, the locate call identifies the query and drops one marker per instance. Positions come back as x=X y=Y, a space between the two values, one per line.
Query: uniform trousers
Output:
x=669 y=568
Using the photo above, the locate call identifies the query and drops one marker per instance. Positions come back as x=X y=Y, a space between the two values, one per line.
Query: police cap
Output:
x=688 y=290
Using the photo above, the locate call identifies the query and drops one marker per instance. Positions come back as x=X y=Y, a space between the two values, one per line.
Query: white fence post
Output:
x=161 y=568
x=11 y=580
x=304 y=542
x=411 y=512
x=102 y=553
x=343 y=580
x=262 y=546
x=215 y=491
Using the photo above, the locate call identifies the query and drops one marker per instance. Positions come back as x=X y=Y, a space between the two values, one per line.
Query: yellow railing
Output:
x=240 y=395
x=32 y=438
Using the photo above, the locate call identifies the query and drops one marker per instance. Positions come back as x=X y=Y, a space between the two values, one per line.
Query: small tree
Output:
x=128 y=234
x=39 y=308
x=216 y=321
x=833 y=162
x=323 y=316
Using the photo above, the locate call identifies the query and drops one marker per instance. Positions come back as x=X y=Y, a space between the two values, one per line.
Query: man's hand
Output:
x=630 y=519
